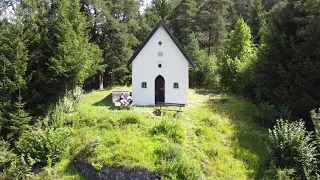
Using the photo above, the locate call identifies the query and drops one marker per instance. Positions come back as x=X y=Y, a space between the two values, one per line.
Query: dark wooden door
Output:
x=159 y=89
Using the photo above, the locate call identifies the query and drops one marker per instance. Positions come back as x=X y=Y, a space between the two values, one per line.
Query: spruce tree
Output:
x=75 y=59
x=211 y=21
x=161 y=8
x=257 y=22
x=13 y=61
x=199 y=57
x=18 y=122
x=36 y=17
x=288 y=69
x=182 y=19
x=116 y=37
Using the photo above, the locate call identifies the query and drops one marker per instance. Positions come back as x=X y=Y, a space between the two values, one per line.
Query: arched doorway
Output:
x=159 y=89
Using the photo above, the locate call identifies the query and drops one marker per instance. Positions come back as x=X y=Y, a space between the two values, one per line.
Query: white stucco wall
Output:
x=174 y=69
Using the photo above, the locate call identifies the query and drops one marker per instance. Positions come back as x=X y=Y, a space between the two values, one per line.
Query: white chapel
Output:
x=160 y=69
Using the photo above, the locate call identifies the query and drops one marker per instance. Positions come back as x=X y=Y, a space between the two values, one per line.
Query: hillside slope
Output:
x=211 y=139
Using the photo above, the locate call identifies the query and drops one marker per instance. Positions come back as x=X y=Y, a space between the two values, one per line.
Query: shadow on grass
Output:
x=107 y=101
x=70 y=170
x=249 y=139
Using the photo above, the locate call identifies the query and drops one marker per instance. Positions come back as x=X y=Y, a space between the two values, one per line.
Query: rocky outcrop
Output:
x=110 y=173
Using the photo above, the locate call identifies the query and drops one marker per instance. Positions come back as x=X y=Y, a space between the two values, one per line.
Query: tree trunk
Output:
x=66 y=87
x=101 y=81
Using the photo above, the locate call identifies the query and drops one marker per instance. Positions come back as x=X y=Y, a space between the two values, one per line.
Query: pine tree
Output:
x=182 y=19
x=288 y=69
x=36 y=17
x=161 y=8
x=257 y=22
x=13 y=61
x=211 y=21
x=18 y=122
x=199 y=57
x=75 y=59
x=243 y=8
x=116 y=37
x=13 y=65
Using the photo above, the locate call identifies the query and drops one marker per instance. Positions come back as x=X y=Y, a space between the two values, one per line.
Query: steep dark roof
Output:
x=161 y=23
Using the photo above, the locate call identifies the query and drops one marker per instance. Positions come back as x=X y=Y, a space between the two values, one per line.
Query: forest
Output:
x=54 y=51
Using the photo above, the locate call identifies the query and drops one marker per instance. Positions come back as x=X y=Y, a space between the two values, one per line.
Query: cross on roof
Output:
x=160 y=43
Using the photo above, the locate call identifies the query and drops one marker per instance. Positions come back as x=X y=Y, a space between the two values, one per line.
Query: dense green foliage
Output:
x=292 y=147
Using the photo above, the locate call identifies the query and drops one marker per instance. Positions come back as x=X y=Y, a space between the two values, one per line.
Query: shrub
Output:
x=19 y=169
x=292 y=147
x=56 y=142
x=266 y=115
x=169 y=152
x=275 y=173
x=71 y=100
x=43 y=144
x=57 y=116
x=130 y=119
x=89 y=147
x=171 y=129
x=84 y=144
x=6 y=155
x=173 y=164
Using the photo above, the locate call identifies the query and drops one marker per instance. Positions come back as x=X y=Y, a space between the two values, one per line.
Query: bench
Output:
x=222 y=96
x=178 y=111
x=116 y=96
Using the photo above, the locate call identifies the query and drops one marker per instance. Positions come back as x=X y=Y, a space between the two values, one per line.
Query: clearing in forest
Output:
x=211 y=139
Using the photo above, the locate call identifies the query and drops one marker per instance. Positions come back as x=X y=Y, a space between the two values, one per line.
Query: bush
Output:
x=89 y=147
x=171 y=129
x=6 y=155
x=19 y=169
x=173 y=164
x=266 y=115
x=57 y=116
x=130 y=119
x=275 y=173
x=292 y=147
x=41 y=145
x=169 y=152
x=72 y=98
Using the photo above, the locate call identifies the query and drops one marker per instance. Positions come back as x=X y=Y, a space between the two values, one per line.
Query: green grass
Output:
x=211 y=140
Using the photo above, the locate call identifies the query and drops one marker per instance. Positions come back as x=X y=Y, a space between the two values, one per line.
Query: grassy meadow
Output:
x=211 y=139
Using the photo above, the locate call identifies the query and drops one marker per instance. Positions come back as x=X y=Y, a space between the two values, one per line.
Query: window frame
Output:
x=175 y=85
x=144 y=85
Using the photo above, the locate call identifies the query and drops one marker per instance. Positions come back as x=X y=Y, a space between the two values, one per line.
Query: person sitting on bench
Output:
x=122 y=100
x=129 y=99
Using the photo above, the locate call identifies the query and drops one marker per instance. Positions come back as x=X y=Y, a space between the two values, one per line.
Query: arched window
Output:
x=176 y=85
x=143 y=85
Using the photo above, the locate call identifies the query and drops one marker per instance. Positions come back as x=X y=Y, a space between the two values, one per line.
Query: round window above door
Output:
x=160 y=53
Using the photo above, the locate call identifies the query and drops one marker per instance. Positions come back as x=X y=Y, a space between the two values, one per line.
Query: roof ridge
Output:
x=161 y=22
